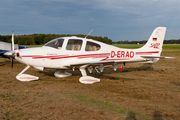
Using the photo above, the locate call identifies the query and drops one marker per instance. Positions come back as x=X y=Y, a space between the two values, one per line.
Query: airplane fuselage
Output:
x=64 y=57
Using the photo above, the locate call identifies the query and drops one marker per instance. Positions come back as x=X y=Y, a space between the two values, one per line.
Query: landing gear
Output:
x=26 y=77
x=87 y=79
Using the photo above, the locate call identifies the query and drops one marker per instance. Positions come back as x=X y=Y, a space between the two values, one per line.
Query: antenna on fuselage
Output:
x=89 y=33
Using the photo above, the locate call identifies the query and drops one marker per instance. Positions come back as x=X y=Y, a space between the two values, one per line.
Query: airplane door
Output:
x=73 y=48
x=74 y=45
x=52 y=55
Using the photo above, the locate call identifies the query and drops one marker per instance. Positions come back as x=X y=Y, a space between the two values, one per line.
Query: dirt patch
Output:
x=141 y=91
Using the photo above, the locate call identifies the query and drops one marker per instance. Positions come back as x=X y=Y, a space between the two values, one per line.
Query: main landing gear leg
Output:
x=26 y=77
x=87 y=79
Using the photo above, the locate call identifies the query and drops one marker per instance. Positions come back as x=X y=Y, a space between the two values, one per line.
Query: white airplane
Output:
x=81 y=53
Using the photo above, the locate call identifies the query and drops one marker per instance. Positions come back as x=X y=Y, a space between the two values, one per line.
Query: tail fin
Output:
x=155 y=41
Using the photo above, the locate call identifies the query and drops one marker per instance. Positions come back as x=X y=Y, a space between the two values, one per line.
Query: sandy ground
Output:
x=141 y=91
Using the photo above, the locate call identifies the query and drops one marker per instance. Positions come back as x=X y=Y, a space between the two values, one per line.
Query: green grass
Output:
x=93 y=101
x=171 y=46
x=128 y=46
x=134 y=46
x=96 y=102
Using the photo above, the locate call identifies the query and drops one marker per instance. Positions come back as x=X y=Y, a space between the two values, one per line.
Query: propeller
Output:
x=12 y=49
x=11 y=54
x=12 y=62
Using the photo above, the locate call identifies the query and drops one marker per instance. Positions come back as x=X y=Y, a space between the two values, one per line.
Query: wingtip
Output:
x=170 y=57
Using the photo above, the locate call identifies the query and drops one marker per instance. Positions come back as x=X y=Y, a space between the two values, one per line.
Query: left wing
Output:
x=157 y=57
x=109 y=62
x=104 y=62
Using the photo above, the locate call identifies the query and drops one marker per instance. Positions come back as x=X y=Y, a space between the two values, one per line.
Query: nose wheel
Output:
x=26 y=77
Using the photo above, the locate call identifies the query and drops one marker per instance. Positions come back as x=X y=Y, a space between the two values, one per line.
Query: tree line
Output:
x=39 y=39
x=144 y=42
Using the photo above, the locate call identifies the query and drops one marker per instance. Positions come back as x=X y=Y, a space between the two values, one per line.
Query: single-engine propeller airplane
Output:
x=82 y=53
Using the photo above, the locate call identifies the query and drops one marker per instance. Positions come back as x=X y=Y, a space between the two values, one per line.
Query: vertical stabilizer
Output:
x=155 y=41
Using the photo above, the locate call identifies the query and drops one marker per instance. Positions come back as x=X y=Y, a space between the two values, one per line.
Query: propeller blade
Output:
x=12 y=63
x=12 y=44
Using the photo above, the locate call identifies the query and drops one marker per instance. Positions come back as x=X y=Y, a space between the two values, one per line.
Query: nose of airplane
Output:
x=10 y=54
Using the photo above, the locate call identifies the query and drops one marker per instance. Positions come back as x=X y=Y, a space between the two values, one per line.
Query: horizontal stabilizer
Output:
x=157 y=57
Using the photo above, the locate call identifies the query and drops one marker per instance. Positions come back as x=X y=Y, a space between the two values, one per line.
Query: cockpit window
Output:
x=74 y=44
x=57 y=43
x=90 y=46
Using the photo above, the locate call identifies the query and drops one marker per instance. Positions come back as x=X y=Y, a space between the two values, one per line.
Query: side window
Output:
x=56 y=43
x=74 y=44
x=90 y=46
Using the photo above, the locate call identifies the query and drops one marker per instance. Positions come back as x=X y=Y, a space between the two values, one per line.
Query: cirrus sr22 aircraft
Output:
x=85 y=54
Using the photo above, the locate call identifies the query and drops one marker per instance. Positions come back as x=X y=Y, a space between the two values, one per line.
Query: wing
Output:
x=110 y=62
x=104 y=62
x=157 y=57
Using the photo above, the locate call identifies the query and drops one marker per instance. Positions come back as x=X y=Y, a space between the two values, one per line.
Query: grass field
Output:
x=140 y=92
x=133 y=46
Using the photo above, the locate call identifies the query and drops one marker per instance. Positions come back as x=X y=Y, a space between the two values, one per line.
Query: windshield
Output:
x=57 y=43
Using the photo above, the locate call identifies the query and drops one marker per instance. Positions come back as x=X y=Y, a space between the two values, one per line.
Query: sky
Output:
x=118 y=20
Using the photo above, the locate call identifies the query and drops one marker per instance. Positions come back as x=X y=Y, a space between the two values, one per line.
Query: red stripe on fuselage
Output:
x=112 y=59
x=102 y=55
x=142 y=53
